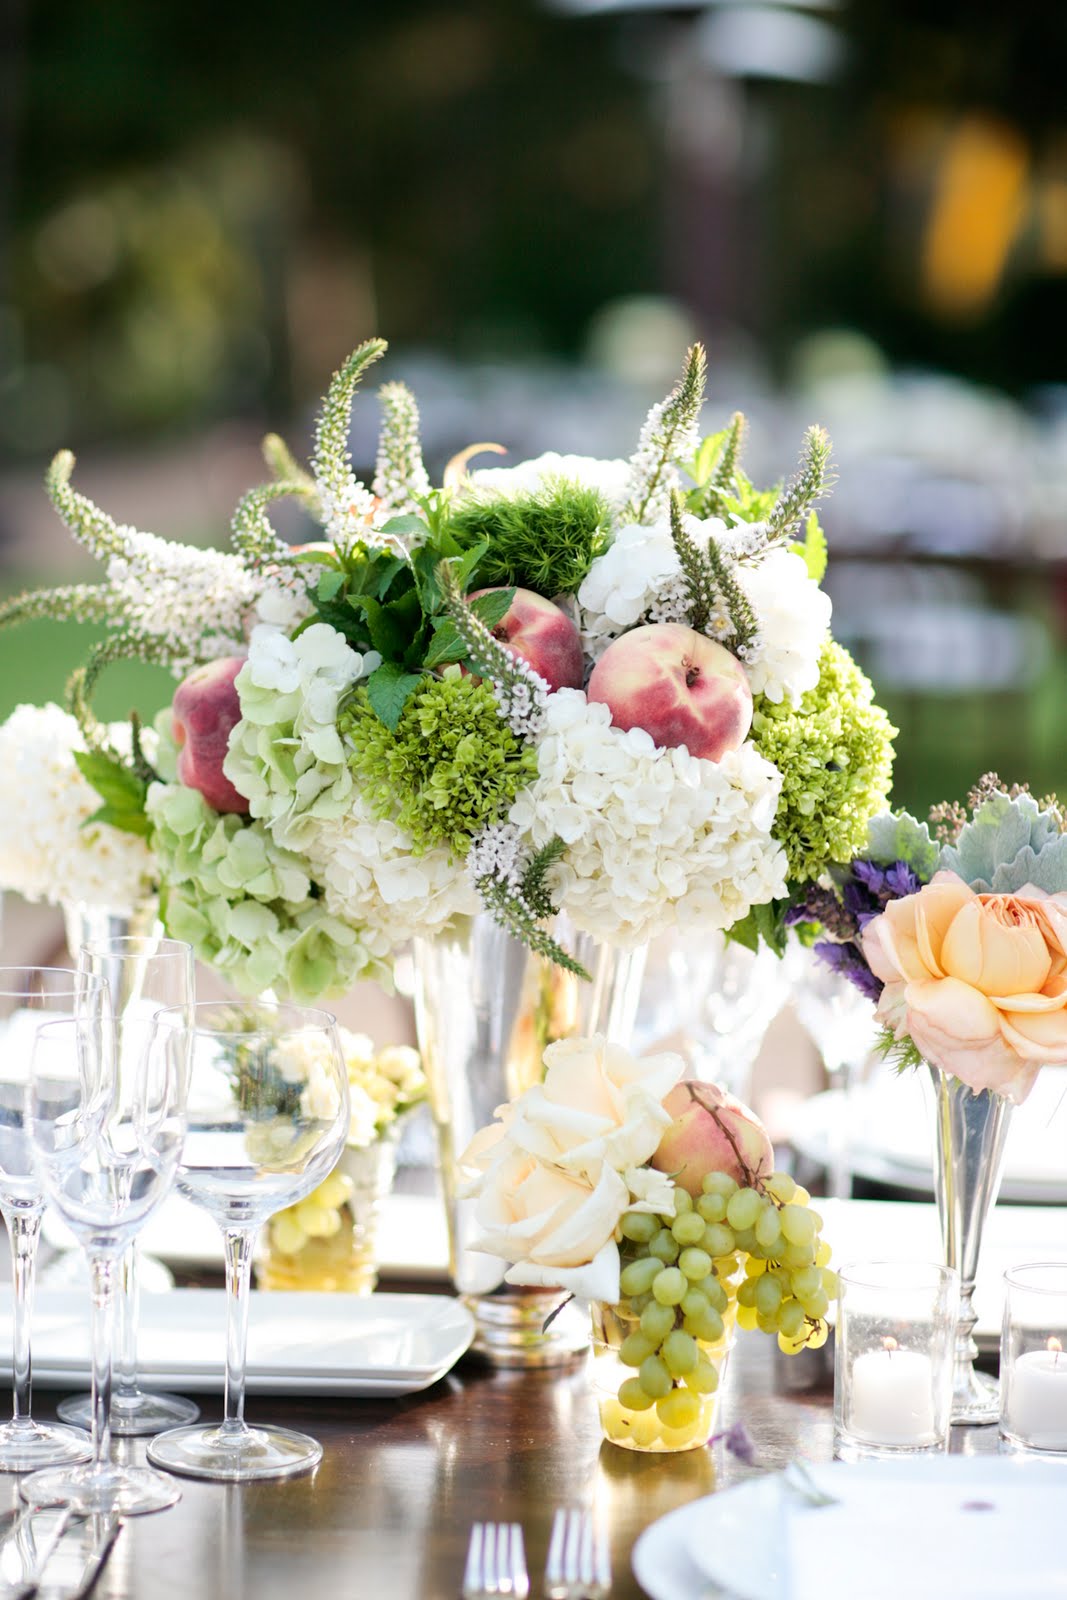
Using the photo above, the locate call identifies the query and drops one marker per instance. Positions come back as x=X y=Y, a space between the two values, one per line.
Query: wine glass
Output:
x=268 y=1118
x=28 y=997
x=106 y=1159
x=143 y=975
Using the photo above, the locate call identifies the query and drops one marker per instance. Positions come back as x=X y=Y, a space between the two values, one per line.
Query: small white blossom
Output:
x=495 y=853
x=196 y=600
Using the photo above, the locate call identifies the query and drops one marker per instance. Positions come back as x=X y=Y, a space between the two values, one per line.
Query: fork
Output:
x=578 y=1566
x=496 y=1562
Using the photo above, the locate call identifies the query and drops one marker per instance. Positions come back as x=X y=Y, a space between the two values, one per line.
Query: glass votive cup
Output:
x=1033 y=1357
x=893 y=1358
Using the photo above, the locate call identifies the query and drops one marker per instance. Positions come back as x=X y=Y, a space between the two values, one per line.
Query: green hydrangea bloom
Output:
x=247 y=906
x=452 y=765
x=835 y=754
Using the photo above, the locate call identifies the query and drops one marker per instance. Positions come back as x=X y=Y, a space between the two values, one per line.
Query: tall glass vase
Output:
x=485 y=1008
x=971 y=1133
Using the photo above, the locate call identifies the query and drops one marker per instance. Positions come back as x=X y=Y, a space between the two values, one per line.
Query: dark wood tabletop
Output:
x=387 y=1514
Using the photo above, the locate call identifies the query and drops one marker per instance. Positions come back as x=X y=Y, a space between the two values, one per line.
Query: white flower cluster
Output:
x=370 y=876
x=522 y=699
x=496 y=853
x=196 y=600
x=639 y=579
x=286 y=756
x=655 y=837
x=653 y=478
x=400 y=478
x=45 y=851
x=612 y=479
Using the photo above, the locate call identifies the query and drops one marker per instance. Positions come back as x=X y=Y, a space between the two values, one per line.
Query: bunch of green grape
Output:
x=681 y=1296
x=318 y=1216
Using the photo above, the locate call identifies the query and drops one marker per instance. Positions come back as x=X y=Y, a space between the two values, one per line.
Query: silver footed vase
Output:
x=971 y=1132
x=485 y=1009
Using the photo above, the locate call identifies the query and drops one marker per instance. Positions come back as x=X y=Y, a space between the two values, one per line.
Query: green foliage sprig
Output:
x=89 y=525
x=545 y=539
x=711 y=584
x=715 y=469
x=666 y=434
x=796 y=500
x=522 y=910
x=254 y=538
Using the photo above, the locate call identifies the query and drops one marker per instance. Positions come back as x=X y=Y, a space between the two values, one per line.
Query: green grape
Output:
x=755 y=1266
x=633 y=1397
x=712 y=1207
x=683 y=1201
x=719 y=1183
x=781 y=1186
x=768 y=1295
x=657 y=1322
x=768 y=1228
x=783 y=1275
x=818 y=1335
x=679 y=1409
x=703 y=1379
x=742 y=1209
x=745 y=1239
x=830 y=1283
x=766 y=1324
x=654 y=1378
x=796 y=1255
x=822 y=1254
x=638 y=1302
x=746 y=1316
x=801 y=1197
x=706 y=1325
x=688 y=1228
x=817 y=1304
x=696 y=1264
x=725 y=1266
x=664 y=1247
x=746 y=1294
x=805 y=1281
x=790 y=1318
x=286 y=1234
x=719 y=1239
x=792 y=1347
x=715 y=1294
x=798 y=1224
x=639 y=1226
x=640 y=1275
x=694 y=1301
x=670 y=1286
x=679 y=1353
x=634 y=1348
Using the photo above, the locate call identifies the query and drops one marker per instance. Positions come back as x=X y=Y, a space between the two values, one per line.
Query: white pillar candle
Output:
x=1036 y=1409
x=892 y=1397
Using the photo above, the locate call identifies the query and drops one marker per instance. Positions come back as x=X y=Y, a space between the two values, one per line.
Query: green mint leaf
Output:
x=329 y=585
x=406 y=524
x=387 y=691
x=492 y=608
x=114 y=783
x=446 y=646
x=125 y=821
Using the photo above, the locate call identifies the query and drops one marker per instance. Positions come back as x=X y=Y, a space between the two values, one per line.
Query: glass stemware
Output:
x=143 y=975
x=268 y=1118
x=105 y=1160
x=29 y=996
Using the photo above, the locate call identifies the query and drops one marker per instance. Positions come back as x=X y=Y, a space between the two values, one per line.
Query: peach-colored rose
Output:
x=978 y=981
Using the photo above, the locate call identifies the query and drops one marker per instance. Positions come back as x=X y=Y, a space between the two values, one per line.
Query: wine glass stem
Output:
x=239 y=1243
x=24 y=1229
x=129 y=1307
x=102 y=1283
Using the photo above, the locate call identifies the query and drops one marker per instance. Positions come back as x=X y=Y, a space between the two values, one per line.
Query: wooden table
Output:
x=387 y=1514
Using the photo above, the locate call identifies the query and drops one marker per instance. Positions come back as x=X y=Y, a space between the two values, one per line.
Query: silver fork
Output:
x=496 y=1562
x=578 y=1565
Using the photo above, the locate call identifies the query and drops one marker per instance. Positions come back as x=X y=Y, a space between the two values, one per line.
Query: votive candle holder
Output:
x=1033 y=1357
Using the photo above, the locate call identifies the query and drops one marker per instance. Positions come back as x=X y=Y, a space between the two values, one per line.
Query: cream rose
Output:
x=978 y=981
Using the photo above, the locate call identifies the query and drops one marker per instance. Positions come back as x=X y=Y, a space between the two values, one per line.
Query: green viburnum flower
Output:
x=247 y=906
x=452 y=765
x=835 y=754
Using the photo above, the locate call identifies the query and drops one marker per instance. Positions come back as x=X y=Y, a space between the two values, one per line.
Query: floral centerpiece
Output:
x=328 y=1240
x=655 y=1199
x=606 y=687
x=957 y=929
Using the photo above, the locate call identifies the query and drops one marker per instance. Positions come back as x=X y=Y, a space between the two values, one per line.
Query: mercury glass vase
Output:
x=971 y=1133
x=485 y=1009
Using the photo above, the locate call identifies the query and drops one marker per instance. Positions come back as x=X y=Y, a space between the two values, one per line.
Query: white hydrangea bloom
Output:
x=366 y=866
x=613 y=479
x=194 y=599
x=45 y=851
x=639 y=579
x=794 y=622
x=286 y=756
x=656 y=838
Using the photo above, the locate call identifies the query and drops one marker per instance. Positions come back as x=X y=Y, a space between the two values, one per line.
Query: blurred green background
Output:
x=861 y=208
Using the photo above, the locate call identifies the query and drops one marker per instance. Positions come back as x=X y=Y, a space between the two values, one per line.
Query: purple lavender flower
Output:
x=739 y=1442
x=849 y=961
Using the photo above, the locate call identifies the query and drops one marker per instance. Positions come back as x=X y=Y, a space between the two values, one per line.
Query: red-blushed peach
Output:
x=680 y=687
x=205 y=710
x=536 y=630
x=711 y=1132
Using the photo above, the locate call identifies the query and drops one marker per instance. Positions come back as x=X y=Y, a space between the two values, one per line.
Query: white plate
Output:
x=384 y=1344
x=983 y=1526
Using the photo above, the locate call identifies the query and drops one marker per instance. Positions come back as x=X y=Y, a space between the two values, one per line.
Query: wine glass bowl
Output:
x=267 y=1121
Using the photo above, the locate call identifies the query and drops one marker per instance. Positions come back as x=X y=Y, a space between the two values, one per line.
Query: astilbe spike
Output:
x=695 y=570
x=92 y=527
x=83 y=680
x=400 y=478
x=254 y=537
x=668 y=436
x=72 y=602
x=811 y=483
x=284 y=466
x=331 y=462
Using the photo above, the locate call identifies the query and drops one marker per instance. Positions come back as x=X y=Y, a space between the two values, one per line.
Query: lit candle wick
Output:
x=1056 y=1347
x=889 y=1344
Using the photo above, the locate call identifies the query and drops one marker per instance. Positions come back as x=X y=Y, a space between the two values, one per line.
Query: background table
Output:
x=388 y=1512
